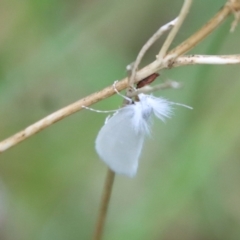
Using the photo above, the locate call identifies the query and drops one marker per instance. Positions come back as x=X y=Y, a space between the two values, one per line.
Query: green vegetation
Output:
x=53 y=53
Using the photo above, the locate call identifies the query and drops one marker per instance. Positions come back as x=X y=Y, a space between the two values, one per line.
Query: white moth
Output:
x=119 y=142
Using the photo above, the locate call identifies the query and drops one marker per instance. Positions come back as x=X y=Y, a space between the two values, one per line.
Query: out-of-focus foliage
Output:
x=53 y=53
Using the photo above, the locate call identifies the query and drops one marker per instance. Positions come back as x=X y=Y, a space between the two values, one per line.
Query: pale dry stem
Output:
x=182 y=15
x=145 y=48
x=107 y=190
x=150 y=89
x=207 y=59
x=197 y=37
x=234 y=5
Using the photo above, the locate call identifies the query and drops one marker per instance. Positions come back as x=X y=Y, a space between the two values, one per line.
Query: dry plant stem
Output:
x=191 y=42
x=162 y=86
x=183 y=13
x=147 y=45
x=60 y=114
x=203 y=32
x=109 y=91
x=207 y=59
x=104 y=205
x=236 y=13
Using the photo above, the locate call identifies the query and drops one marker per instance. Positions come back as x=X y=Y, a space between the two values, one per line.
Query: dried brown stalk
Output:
x=107 y=190
x=207 y=59
x=146 y=46
x=173 y=33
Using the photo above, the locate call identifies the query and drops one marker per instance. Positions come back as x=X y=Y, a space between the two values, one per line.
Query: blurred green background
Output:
x=53 y=53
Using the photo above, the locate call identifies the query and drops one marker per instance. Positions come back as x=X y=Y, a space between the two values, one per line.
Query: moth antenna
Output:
x=99 y=111
x=107 y=118
x=115 y=89
x=182 y=105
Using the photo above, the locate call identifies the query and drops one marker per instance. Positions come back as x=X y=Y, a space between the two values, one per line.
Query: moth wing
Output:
x=118 y=144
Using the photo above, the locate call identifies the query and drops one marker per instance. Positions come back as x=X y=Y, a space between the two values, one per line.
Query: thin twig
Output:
x=236 y=13
x=191 y=42
x=148 y=88
x=107 y=190
x=203 y=32
x=182 y=15
x=207 y=59
x=59 y=115
x=109 y=91
x=147 y=45
x=190 y=60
